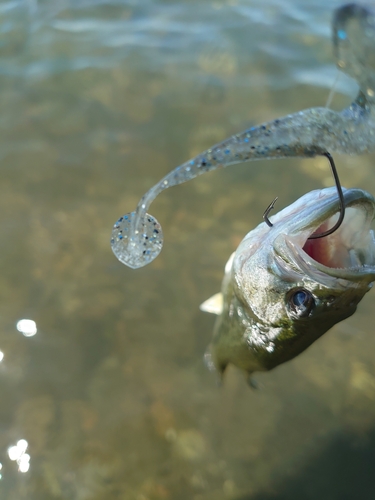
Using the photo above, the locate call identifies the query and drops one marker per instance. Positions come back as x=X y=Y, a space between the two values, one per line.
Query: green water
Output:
x=98 y=101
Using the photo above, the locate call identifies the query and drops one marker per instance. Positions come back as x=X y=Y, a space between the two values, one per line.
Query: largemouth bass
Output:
x=282 y=291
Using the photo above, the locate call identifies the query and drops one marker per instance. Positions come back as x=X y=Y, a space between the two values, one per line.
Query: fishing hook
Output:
x=341 y=202
x=270 y=207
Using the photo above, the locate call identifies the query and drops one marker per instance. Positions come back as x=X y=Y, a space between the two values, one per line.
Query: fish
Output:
x=281 y=291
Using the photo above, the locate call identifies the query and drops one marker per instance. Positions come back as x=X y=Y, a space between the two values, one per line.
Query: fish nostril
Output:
x=331 y=299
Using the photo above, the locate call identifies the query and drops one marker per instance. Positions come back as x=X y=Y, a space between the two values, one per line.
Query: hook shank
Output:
x=341 y=201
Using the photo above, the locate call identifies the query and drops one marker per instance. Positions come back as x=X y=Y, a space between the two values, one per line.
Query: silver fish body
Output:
x=281 y=291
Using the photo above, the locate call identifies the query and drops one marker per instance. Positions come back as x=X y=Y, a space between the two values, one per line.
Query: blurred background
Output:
x=103 y=391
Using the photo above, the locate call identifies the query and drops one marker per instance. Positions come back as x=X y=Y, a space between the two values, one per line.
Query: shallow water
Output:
x=98 y=101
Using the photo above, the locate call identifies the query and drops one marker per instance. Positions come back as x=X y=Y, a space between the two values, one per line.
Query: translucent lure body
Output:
x=137 y=236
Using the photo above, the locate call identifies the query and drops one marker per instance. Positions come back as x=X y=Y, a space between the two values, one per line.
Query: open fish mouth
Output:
x=348 y=253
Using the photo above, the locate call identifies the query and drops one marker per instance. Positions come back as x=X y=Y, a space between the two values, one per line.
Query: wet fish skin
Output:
x=276 y=298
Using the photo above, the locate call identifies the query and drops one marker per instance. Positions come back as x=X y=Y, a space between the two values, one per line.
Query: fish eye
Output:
x=300 y=302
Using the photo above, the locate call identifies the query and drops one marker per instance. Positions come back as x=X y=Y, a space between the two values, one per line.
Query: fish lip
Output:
x=323 y=208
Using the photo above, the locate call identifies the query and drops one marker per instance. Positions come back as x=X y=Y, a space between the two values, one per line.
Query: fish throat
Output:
x=351 y=246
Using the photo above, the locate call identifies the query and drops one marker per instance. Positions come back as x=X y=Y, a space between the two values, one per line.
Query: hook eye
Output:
x=300 y=302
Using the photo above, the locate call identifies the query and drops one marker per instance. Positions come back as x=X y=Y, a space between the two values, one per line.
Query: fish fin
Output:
x=213 y=305
x=228 y=265
x=208 y=361
x=253 y=383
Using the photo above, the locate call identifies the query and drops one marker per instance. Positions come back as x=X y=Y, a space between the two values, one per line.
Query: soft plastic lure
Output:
x=137 y=237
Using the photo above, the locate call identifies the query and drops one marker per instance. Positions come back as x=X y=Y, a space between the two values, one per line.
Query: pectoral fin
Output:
x=213 y=305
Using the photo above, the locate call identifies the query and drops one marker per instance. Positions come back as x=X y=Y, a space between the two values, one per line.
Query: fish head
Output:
x=282 y=290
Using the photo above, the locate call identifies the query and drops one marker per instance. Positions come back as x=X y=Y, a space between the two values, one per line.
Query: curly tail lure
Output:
x=137 y=237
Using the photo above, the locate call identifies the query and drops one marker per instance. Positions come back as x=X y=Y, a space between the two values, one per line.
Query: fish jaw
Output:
x=344 y=258
x=257 y=328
